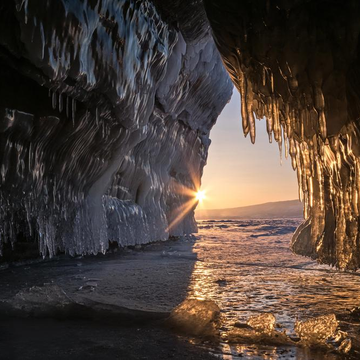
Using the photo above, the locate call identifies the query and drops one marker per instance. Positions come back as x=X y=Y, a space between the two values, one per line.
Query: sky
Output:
x=239 y=173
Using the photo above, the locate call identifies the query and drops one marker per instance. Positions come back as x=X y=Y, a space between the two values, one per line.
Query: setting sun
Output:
x=200 y=196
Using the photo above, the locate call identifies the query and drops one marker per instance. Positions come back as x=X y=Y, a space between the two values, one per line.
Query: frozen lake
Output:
x=245 y=266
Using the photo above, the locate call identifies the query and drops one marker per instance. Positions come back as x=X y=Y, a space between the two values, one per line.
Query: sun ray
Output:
x=200 y=196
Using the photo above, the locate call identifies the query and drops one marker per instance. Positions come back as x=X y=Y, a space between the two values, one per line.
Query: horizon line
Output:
x=244 y=206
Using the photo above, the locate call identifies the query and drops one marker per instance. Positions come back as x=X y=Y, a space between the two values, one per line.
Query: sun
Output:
x=200 y=196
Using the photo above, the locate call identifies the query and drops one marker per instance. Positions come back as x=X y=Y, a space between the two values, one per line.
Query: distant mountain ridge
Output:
x=270 y=210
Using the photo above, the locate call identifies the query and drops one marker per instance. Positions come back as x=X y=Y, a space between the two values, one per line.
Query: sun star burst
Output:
x=200 y=196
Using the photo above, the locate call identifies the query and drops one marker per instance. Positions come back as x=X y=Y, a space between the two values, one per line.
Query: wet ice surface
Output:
x=246 y=267
x=154 y=279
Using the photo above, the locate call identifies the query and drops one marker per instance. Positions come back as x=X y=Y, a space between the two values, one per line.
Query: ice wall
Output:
x=106 y=108
x=296 y=63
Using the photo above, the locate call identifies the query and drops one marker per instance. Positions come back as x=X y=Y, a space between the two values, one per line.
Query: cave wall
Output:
x=296 y=63
x=106 y=108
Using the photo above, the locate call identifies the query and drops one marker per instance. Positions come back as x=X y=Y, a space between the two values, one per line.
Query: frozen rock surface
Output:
x=296 y=63
x=105 y=114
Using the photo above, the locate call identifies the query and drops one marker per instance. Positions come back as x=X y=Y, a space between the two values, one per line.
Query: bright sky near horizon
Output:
x=239 y=173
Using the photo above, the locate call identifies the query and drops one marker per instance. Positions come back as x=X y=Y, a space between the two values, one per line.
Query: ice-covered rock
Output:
x=105 y=112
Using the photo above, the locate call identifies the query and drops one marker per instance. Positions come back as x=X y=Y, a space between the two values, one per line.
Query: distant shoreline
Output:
x=270 y=210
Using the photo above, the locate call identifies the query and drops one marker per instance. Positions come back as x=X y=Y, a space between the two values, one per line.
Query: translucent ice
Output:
x=302 y=75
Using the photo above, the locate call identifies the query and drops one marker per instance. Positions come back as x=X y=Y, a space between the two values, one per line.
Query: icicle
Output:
x=280 y=150
x=3 y=172
x=60 y=102
x=73 y=112
x=97 y=116
x=276 y=120
x=286 y=141
x=42 y=35
x=67 y=106
x=299 y=171
x=319 y=100
x=293 y=84
x=264 y=76
x=249 y=111
x=245 y=123
x=19 y=7
x=269 y=120
x=310 y=191
x=322 y=124
x=252 y=127
x=54 y=100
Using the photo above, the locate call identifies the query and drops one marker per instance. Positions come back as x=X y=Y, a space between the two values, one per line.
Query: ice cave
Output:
x=107 y=108
x=102 y=104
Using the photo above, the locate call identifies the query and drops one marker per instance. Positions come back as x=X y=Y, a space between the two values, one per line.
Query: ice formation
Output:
x=106 y=108
x=296 y=64
x=196 y=317
x=321 y=331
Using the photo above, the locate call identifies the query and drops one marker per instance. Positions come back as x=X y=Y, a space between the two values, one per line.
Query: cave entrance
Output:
x=245 y=264
x=240 y=174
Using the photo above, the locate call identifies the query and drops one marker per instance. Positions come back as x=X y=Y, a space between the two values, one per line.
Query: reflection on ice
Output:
x=246 y=267
x=270 y=301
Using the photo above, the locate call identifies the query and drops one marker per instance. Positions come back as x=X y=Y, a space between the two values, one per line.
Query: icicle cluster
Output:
x=328 y=170
x=296 y=64
x=112 y=117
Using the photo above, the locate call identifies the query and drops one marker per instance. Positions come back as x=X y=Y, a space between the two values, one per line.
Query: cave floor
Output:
x=113 y=306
